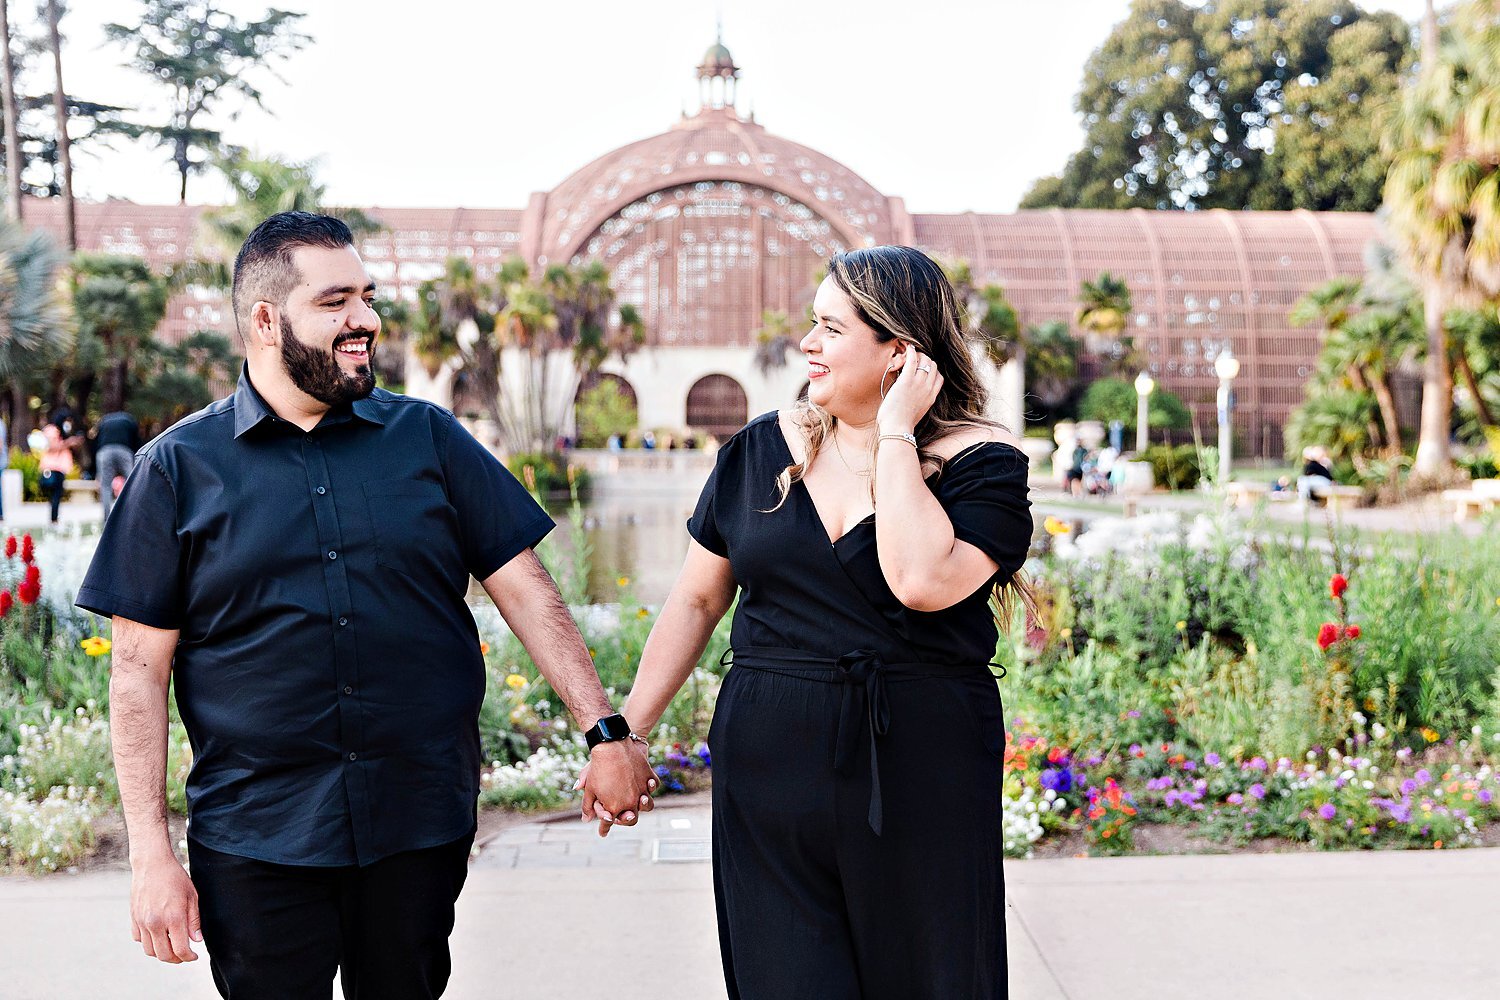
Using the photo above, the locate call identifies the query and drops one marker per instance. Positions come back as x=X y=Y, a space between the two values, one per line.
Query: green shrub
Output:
x=548 y=473
x=604 y=411
x=1176 y=468
x=30 y=467
x=1110 y=399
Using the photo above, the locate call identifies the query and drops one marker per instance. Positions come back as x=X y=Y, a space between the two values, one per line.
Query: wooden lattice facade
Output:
x=716 y=220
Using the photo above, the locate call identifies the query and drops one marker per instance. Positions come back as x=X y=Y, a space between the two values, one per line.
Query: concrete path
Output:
x=550 y=911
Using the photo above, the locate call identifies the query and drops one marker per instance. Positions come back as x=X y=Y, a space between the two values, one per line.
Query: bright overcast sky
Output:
x=951 y=104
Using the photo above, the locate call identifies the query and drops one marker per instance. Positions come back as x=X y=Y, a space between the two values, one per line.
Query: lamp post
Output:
x=1144 y=385
x=1226 y=366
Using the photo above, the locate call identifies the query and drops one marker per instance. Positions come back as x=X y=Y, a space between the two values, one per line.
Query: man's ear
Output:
x=264 y=330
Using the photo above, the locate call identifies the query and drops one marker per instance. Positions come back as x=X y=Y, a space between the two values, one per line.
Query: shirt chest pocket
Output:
x=416 y=532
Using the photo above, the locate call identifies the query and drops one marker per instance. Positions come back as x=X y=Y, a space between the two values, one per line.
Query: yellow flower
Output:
x=1497 y=602
x=643 y=613
x=1066 y=633
x=593 y=653
x=95 y=645
x=515 y=681
x=622 y=581
x=1182 y=626
x=1430 y=735
x=1056 y=527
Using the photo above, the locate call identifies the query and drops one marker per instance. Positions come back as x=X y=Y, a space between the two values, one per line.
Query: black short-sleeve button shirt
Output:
x=328 y=670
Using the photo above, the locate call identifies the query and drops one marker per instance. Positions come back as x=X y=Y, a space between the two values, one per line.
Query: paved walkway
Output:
x=550 y=911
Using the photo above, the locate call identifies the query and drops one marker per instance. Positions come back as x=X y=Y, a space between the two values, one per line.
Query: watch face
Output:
x=613 y=728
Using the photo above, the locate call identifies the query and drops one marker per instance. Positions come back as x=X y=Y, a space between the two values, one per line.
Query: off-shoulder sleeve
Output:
x=985 y=495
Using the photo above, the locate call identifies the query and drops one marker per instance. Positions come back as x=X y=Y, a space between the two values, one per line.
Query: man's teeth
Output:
x=357 y=347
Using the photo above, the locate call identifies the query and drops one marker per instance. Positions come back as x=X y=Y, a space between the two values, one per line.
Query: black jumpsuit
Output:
x=835 y=880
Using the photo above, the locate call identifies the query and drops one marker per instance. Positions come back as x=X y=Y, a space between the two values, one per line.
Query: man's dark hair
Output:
x=264 y=269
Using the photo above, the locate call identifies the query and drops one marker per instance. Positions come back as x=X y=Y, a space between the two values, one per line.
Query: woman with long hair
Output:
x=857 y=739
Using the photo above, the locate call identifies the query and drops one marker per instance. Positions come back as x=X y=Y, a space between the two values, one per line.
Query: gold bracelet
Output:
x=910 y=439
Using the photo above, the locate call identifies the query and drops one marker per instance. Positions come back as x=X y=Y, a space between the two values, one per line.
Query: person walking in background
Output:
x=118 y=439
x=57 y=463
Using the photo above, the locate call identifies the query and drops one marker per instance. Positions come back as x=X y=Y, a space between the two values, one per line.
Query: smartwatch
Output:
x=610 y=729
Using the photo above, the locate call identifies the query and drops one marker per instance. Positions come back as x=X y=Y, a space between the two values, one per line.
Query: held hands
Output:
x=164 y=910
x=916 y=389
x=617 y=784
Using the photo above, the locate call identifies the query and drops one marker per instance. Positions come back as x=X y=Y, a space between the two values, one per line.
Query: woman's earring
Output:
x=882 y=382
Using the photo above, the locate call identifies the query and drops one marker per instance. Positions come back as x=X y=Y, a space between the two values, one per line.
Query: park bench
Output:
x=1243 y=494
x=1482 y=496
x=1336 y=496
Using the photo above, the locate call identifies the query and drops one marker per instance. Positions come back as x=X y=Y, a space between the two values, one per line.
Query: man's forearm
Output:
x=528 y=600
x=138 y=734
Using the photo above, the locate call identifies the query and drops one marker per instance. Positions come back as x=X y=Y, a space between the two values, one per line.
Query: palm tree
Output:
x=119 y=301
x=1051 y=362
x=1104 y=309
x=1443 y=195
x=35 y=324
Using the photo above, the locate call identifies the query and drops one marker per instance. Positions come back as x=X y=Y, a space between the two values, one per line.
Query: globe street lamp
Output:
x=1144 y=384
x=1226 y=366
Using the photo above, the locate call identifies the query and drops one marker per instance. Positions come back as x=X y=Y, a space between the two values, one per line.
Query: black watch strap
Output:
x=610 y=729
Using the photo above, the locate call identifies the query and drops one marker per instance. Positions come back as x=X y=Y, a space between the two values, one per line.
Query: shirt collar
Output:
x=250 y=409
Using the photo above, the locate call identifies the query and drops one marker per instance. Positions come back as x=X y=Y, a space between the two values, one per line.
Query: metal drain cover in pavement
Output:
x=678 y=849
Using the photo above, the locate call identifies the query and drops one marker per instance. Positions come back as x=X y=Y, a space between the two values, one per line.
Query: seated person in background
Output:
x=1317 y=476
x=1073 y=481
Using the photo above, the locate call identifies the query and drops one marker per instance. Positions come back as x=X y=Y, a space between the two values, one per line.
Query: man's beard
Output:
x=319 y=375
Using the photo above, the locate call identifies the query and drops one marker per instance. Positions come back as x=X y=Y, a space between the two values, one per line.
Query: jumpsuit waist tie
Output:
x=862 y=675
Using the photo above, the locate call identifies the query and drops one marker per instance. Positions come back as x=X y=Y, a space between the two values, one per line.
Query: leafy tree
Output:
x=773 y=339
x=1443 y=196
x=264 y=186
x=1339 y=420
x=602 y=412
x=1111 y=399
x=169 y=382
x=202 y=55
x=118 y=301
x=1051 y=364
x=1233 y=104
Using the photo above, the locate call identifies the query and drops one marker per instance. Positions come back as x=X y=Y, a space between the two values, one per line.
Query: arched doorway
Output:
x=604 y=405
x=717 y=405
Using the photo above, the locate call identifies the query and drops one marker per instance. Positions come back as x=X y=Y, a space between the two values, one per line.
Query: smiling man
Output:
x=296 y=557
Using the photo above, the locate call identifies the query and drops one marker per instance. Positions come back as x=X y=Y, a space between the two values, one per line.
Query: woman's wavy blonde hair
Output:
x=902 y=294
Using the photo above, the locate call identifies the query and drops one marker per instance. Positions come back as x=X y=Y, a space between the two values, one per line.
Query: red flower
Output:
x=5 y=602
x=1338 y=584
x=1352 y=631
x=1328 y=634
x=30 y=588
x=28 y=550
x=10 y=547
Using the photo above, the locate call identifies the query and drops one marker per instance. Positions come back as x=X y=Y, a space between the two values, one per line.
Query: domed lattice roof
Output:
x=715 y=145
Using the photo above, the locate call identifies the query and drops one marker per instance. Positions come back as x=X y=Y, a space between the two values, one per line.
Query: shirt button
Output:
x=333 y=555
x=353 y=755
x=348 y=690
x=343 y=622
x=321 y=491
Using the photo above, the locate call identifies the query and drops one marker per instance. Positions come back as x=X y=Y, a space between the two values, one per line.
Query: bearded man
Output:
x=296 y=557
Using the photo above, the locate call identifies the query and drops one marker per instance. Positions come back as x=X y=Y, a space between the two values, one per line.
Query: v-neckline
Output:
x=812 y=502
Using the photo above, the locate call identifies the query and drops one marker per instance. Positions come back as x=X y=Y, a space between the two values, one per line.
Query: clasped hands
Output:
x=617 y=784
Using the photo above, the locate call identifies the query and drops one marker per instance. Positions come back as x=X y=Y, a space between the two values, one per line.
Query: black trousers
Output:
x=52 y=489
x=812 y=903
x=279 y=932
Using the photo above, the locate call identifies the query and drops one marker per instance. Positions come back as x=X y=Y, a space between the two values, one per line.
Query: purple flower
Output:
x=1212 y=759
x=1235 y=798
x=1485 y=796
x=704 y=755
x=1258 y=764
x=1157 y=784
x=1408 y=786
x=1257 y=791
x=1423 y=777
x=1327 y=810
x=1190 y=765
x=1059 y=780
x=1135 y=748
x=1132 y=714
